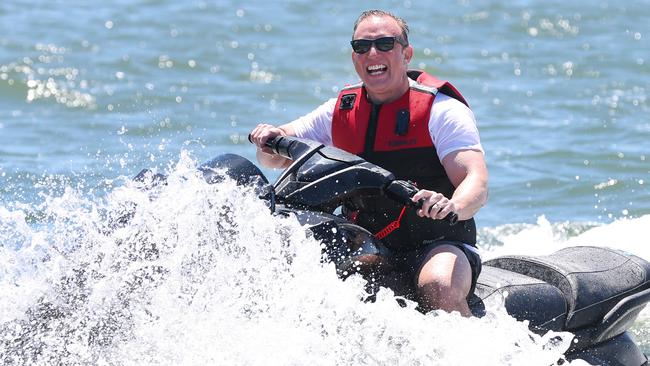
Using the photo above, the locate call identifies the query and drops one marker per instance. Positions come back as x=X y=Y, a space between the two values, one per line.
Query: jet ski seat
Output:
x=593 y=281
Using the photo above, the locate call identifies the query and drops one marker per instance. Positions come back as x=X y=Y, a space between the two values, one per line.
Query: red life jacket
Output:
x=396 y=137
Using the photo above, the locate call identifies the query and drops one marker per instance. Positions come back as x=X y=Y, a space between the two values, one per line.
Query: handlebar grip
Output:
x=402 y=191
x=451 y=218
x=282 y=145
x=270 y=143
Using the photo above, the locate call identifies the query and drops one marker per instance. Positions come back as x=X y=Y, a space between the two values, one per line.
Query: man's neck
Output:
x=388 y=97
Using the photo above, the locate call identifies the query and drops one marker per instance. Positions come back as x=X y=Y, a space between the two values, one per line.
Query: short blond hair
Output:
x=382 y=13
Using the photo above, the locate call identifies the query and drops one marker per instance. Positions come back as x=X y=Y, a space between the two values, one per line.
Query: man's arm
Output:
x=468 y=173
x=453 y=131
x=316 y=125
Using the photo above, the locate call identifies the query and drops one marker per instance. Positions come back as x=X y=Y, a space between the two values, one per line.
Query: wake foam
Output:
x=192 y=273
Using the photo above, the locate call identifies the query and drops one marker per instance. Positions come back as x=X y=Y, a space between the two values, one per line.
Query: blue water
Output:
x=92 y=93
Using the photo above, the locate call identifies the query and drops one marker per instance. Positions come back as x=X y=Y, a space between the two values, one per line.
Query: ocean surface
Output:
x=91 y=93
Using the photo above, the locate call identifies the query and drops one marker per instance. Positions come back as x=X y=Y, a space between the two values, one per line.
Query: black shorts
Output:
x=412 y=262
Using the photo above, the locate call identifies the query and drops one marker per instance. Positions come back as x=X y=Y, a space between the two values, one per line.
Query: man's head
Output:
x=381 y=64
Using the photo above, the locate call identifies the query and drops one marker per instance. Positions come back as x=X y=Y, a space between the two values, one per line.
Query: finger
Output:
x=422 y=212
x=418 y=196
x=434 y=210
x=260 y=134
x=430 y=196
x=422 y=195
x=443 y=212
x=255 y=135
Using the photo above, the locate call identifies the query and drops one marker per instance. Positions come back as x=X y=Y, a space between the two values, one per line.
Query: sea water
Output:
x=95 y=269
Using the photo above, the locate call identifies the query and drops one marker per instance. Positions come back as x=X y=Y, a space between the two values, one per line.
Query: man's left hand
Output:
x=434 y=204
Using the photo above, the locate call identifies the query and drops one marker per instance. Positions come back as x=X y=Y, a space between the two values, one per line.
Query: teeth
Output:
x=376 y=67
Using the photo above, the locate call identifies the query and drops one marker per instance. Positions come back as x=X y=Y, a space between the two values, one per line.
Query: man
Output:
x=420 y=130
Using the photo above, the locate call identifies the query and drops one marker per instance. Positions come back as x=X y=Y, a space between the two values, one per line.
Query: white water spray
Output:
x=192 y=273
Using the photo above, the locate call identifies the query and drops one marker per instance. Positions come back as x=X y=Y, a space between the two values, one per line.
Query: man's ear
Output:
x=408 y=54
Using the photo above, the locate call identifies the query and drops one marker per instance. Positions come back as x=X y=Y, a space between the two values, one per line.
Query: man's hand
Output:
x=434 y=204
x=262 y=133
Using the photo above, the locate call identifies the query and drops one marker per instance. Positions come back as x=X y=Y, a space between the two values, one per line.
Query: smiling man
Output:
x=421 y=129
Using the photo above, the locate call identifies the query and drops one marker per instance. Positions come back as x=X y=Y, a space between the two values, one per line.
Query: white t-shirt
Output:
x=452 y=125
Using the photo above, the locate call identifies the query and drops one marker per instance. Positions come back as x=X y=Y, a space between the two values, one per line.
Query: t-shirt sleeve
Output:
x=317 y=124
x=452 y=126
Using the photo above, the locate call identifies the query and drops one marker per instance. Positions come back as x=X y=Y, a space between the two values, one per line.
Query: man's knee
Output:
x=446 y=276
x=447 y=267
x=442 y=289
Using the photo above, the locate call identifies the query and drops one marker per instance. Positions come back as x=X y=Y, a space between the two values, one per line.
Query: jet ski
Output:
x=595 y=293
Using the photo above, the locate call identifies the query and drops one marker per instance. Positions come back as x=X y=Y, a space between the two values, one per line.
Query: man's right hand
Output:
x=262 y=133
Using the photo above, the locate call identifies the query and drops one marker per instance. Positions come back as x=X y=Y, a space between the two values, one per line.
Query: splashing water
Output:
x=544 y=238
x=192 y=273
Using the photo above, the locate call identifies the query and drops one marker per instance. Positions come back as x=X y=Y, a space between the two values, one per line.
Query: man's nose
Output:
x=373 y=50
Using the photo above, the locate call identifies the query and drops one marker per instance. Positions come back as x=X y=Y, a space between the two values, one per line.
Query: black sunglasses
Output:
x=383 y=44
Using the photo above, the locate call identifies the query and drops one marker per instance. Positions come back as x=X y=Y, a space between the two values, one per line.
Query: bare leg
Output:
x=445 y=280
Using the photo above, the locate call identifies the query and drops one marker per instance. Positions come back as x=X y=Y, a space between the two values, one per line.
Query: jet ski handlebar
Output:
x=279 y=144
x=400 y=191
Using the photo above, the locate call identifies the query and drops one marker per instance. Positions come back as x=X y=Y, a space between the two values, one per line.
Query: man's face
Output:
x=383 y=73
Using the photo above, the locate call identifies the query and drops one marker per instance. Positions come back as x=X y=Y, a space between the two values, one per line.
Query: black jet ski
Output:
x=593 y=292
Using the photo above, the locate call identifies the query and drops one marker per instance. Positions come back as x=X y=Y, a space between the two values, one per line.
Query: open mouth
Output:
x=376 y=69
